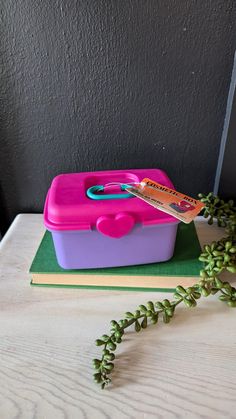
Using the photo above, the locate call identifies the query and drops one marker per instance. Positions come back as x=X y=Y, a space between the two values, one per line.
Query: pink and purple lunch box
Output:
x=95 y=222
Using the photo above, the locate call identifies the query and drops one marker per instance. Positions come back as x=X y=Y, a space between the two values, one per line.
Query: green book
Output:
x=182 y=269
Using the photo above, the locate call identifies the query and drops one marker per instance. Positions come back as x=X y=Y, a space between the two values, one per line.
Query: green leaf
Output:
x=120 y=324
x=213 y=246
x=194 y=303
x=137 y=326
x=227 y=287
x=129 y=315
x=142 y=308
x=109 y=367
x=203 y=273
x=177 y=296
x=224 y=298
x=231 y=303
x=214 y=291
x=169 y=312
x=205 y=292
x=189 y=290
x=118 y=334
x=154 y=318
x=97 y=377
x=227 y=258
x=228 y=245
x=96 y=363
x=166 y=303
x=231 y=269
x=218 y=282
x=144 y=323
x=150 y=305
x=166 y=318
x=207 y=248
x=219 y=264
x=203 y=259
x=196 y=294
x=179 y=289
x=99 y=342
x=111 y=346
x=217 y=253
x=114 y=323
x=159 y=305
x=187 y=302
x=105 y=338
x=109 y=357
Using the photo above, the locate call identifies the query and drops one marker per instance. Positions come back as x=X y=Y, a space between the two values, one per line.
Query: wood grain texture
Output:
x=185 y=369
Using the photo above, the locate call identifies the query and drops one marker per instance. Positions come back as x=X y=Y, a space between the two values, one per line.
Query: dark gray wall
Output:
x=227 y=185
x=104 y=84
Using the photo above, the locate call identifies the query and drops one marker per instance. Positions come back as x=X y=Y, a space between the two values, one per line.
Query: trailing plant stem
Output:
x=217 y=257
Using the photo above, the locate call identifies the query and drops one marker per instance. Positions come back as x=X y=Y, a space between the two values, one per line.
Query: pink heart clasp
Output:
x=115 y=227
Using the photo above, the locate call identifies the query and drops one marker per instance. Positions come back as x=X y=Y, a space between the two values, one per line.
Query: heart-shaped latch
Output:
x=117 y=226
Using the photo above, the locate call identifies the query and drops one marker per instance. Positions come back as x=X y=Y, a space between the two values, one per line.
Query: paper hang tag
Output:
x=167 y=200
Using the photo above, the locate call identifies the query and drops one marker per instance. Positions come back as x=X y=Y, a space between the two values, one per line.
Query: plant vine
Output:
x=217 y=257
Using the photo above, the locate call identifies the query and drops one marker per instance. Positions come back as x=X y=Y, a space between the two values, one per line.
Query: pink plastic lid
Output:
x=68 y=207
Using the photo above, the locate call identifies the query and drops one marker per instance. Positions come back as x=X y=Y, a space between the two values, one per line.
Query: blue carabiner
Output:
x=91 y=193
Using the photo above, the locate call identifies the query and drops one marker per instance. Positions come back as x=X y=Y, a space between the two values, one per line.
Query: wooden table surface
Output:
x=186 y=369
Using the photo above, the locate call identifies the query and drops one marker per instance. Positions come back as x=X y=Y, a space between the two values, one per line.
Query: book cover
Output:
x=164 y=276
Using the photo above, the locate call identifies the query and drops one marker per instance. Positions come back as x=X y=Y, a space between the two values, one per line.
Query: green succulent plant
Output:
x=217 y=257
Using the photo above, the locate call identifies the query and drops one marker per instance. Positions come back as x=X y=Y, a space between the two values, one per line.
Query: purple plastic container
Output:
x=95 y=223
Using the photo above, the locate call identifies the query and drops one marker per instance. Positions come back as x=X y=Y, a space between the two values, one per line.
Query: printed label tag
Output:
x=168 y=200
